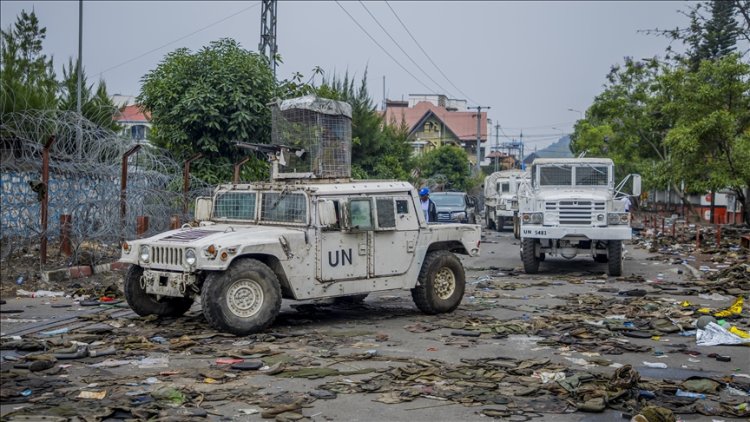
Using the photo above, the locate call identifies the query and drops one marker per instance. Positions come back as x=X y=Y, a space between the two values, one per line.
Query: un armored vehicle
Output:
x=501 y=199
x=571 y=206
x=302 y=235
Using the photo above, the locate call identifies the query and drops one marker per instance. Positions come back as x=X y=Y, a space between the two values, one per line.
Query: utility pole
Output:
x=384 y=101
x=267 y=45
x=479 y=136
x=497 y=142
x=522 y=157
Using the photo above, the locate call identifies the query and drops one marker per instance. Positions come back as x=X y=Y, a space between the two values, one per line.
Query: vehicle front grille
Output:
x=572 y=213
x=444 y=217
x=165 y=255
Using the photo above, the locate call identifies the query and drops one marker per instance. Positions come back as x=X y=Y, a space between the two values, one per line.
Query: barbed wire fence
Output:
x=85 y=166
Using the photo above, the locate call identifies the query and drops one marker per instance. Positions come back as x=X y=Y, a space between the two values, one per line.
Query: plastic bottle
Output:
x=681 y=393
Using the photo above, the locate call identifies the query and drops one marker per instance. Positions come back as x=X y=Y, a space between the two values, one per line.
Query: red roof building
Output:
x=135 y=123
x=431 y=126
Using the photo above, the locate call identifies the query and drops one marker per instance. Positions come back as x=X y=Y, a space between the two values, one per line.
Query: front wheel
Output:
x=516 y=228
x=145 y=304
x=528 y=256
x=614 y=265
x=242 y=300
x=500 y=223
x=441 y=283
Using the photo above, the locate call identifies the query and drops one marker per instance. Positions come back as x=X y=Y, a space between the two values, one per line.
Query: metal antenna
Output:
x=267 y=45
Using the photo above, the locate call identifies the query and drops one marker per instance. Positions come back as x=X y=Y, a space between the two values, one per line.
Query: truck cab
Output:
x=501 y=198
x=571 y=206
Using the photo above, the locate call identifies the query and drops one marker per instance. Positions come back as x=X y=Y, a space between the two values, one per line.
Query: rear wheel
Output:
x=441 y=283
x=516 y=228
x=528 y=256
x=242 y=300
x=500 y=223
x=145 y=304
x=614 y=265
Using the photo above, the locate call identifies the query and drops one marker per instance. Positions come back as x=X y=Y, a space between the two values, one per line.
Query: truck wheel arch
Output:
x=451 y=246
x=275 y=265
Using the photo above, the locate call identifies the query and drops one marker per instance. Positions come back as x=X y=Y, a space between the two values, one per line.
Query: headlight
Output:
x=458 y=215
x=190 y=257
x=533 y=218
x=145 y=253
x=615 y=218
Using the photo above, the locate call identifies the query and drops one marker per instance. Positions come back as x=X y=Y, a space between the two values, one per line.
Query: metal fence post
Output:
x=186 y=181
x=124 y=189
x=45 y=195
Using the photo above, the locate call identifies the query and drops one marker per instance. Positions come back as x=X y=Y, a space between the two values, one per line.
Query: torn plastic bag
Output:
x=714 y=335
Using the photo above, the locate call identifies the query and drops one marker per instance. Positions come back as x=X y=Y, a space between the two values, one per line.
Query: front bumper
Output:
x=538 y=231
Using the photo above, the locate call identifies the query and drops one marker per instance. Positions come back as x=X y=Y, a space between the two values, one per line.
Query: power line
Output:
x=178 y=39
x=427 y=55
x=541 y=127
x=402 y=50
x=381 y=47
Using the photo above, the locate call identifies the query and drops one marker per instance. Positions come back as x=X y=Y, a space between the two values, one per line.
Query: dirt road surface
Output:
x=519 y=347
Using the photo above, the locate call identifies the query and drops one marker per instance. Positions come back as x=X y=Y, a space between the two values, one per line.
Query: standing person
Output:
x=428 y=207
x=626 y=200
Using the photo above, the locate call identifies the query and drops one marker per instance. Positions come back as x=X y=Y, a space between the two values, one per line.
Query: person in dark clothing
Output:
x=428 y=207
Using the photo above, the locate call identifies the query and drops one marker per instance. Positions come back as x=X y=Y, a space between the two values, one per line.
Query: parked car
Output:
x=455 y=207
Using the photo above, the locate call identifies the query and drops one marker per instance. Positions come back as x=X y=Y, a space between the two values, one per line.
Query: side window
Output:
x=386 y=213
x=360 y=214
x=402 y=206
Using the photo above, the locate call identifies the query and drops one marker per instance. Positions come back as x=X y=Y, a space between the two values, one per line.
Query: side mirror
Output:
x=203 y=207
x=636 y=184
x=327 y=213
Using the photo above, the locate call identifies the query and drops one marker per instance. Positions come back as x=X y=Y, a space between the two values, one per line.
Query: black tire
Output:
x=530 y=260
x=145 y=304
x=601 y=258
x=516 y=228
x=542 y=257
x=500 y=224
x=614 y=252
x=441 y=283
x=350 y=300
x=242 y=300
x=490 y=221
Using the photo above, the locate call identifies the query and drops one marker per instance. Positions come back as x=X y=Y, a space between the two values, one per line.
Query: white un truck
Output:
x=571 y=206
x=316 y=234
x=501 y=199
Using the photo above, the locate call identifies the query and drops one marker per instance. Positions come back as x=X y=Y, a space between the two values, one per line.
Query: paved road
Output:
x=378 y=329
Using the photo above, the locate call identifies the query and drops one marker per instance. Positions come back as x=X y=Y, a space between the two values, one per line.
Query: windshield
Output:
x=503 y=187
x=235 y=205
x=284 y=207
x=564 y=175
x=448 y=200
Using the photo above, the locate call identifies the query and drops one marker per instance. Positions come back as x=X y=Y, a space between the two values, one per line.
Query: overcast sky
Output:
x=529 y=61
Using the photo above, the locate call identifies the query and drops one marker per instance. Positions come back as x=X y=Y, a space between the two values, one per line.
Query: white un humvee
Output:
x=571 y=206
x=298 y=238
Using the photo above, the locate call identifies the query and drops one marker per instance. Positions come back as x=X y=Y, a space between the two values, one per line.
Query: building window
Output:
x=139 y=132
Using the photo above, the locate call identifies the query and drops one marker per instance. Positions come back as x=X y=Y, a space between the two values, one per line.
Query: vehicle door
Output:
x=342 y=254
x=394 y=236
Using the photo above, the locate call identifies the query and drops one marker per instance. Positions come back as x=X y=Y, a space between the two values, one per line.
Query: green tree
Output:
x=710 y=140
x=449 y=164
x=204 y=102
x=96 y=106
x=27 y=77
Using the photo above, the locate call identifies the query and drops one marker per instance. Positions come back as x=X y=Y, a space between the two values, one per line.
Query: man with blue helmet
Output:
x=428 y=207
